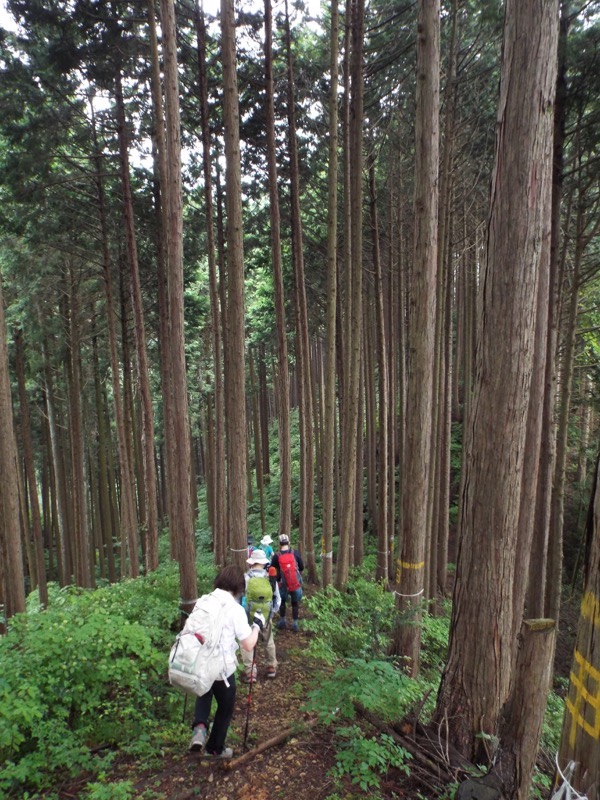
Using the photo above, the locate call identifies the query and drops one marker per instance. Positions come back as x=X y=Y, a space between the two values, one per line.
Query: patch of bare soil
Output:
x=295 y=767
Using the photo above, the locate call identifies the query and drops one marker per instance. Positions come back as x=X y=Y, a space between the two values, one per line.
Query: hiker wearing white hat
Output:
x=262 y=596
x=265 y=545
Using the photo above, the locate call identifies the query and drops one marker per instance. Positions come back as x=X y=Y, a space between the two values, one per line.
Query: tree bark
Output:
x=521 y=719
x=81 y=541
x=307 y=470
x=182 y=527
x=476 y=679
x=11 y=565
x=34 y=503
x=235 y=396
x=218 y=466
x=421 y=341
x=282 y=378
x=353 y=299
x=150 y=490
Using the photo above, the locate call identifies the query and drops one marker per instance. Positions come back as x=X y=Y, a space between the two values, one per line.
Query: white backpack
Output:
x=197 y=658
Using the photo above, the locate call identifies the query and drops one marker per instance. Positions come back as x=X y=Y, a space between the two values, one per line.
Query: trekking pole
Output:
x=249 y=700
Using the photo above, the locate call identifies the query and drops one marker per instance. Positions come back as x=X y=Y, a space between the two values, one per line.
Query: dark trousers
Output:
x=225 y=697
x=294 y=597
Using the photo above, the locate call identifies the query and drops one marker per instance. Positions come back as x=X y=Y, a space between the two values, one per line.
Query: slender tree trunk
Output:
x=383 y=533
x=235 y=396
x=258 y=461
x=128 y=512
x=11 y=564
x=63 y=525
x=307 y=470
x=352 y=354
x=218 y=466
x=421 y=340
x=282 y=382
x=149 y=500
x=330 y=324
x=34 y=503
x=81 y=539
x=265 y=417
x=182 y=526
x=164 y=337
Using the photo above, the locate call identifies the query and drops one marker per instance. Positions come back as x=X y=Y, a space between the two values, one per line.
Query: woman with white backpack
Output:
x=229 y=585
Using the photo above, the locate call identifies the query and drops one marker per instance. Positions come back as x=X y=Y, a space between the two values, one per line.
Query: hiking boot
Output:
x=282 y=625
x=295 y=626
x=198 y=739
x=225 y=754
x=271 y=672
x=249 y=676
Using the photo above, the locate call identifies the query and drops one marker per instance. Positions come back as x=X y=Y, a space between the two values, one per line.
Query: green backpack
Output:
x=259 y=597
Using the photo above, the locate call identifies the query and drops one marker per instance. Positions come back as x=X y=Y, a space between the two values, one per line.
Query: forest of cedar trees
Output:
x=330 y=272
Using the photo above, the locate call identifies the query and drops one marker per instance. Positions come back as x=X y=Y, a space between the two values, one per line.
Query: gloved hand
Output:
x=259 y=619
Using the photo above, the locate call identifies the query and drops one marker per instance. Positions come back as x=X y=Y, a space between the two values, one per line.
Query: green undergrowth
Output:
x=88 y=676
x=351 y=633
x=86 y=679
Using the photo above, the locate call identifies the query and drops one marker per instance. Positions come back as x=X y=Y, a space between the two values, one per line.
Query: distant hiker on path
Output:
x=289 y=565
x=230 y=584
x=265 y=545
x=262 y=596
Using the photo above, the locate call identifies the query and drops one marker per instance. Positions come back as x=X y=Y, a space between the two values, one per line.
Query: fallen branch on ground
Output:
x=275 y=740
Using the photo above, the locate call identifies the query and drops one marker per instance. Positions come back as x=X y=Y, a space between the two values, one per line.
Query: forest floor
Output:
x=299 y=766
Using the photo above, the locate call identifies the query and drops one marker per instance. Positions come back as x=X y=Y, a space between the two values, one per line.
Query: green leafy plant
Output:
x=88 y=671
x=354 y=623
x=366 y=759
x=121 y=790
x=379 y=686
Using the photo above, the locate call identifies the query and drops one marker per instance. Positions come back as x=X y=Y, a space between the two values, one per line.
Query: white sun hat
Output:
x=257 y=557
x=266 y=539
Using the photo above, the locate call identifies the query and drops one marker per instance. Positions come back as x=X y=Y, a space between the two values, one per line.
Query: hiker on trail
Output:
x=262 y=596
x=230 y=584
x=289 y=565
x=265 y=545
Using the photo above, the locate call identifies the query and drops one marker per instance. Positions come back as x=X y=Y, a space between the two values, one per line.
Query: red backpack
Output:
x=288 y=569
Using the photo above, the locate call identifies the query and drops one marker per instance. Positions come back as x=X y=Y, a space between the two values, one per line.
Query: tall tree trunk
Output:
x=536 y=595
x=164 y=335
x=60 y=481
x=330 y=324
x=12 y=576
x=128 y=512
x=218 y=465
x=81 y=541
x=352 y=354
x=478 y=670
x=34 y=503
x=421 y=339
x=258 y=461
x=182 y=526
x=235 y=396
x=383 y=533
x=104 y=479
x=150 y=498
x=307 y=469
x=282 y=382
